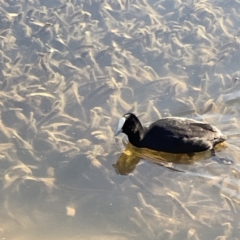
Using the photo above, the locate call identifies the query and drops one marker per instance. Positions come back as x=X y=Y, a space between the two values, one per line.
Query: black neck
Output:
x=136 y=135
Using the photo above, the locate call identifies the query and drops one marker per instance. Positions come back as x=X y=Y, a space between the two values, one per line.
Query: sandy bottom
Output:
x=68 y=71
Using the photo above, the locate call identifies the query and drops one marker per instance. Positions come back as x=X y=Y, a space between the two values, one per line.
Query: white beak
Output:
x=120 y=125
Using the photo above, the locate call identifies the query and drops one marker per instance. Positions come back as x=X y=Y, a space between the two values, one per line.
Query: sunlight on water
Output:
x=68 y=71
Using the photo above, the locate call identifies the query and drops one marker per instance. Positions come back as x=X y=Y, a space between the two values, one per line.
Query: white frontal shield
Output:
x=120 y=125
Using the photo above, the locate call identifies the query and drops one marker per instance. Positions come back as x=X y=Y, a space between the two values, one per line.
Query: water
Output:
x=69 y=71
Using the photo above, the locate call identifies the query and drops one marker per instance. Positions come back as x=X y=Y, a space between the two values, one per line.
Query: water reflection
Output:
x=131 y=156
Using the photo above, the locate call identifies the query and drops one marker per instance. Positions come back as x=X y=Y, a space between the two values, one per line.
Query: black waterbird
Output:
x=172 y=135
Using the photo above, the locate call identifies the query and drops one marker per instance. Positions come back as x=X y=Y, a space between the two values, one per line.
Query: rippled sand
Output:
x=68 y=71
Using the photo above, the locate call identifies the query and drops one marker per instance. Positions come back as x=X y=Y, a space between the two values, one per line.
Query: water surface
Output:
x=69 y=71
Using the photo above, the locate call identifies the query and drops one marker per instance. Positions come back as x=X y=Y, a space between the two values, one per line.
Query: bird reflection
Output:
x=131 y=156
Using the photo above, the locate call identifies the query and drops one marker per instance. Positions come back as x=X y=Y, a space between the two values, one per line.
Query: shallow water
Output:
x=69 y=70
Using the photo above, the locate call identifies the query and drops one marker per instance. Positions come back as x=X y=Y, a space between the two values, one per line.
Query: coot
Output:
x=171 y=134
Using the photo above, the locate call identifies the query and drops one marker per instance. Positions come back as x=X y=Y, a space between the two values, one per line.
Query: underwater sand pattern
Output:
x=68 y=71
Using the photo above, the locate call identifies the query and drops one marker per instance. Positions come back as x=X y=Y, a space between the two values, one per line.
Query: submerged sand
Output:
x=68 y=71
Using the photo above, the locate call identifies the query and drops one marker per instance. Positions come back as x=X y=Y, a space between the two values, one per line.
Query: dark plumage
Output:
x=172 y=134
